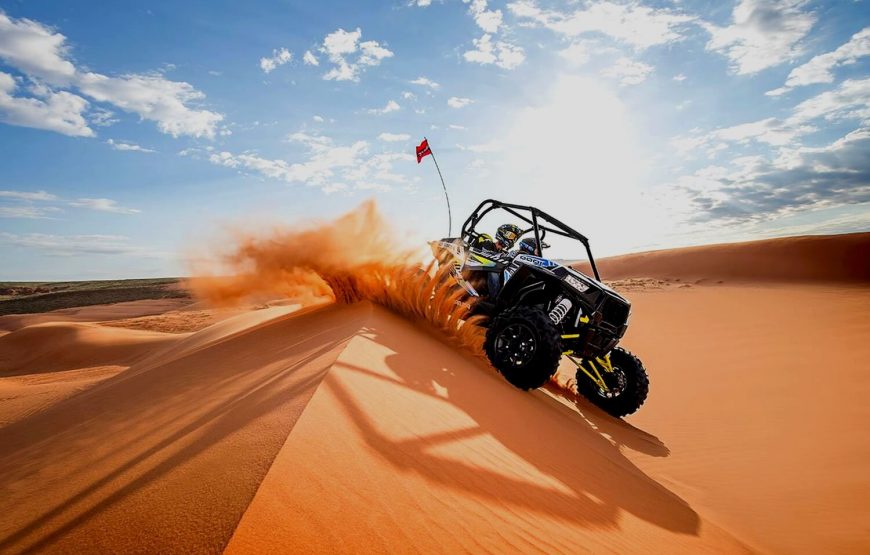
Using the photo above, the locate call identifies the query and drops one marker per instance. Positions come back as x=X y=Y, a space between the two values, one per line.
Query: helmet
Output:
x=529 y=245
x=507 y=234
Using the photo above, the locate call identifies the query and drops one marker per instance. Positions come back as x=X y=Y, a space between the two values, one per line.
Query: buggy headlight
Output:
x=576 y=283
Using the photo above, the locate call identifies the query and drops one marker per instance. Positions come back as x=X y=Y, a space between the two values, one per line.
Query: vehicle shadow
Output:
x=621 y=432
x=580 y=452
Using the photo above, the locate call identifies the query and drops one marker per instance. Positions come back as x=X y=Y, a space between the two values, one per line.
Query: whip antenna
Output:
x=422 y=151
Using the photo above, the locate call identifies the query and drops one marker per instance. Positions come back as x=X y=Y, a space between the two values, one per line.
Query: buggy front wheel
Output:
x=627 y=385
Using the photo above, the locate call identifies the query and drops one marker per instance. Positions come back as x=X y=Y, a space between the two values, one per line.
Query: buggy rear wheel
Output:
x=524 y=346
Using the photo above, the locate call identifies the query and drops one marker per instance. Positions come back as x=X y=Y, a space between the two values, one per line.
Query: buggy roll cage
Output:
x=530 y=215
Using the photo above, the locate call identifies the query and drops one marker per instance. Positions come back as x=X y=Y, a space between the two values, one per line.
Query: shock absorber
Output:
x=558 y=313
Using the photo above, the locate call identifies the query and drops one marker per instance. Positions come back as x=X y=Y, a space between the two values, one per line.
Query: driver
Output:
x=505 y=237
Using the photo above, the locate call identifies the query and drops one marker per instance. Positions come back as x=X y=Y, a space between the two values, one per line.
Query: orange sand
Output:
x=348 y=428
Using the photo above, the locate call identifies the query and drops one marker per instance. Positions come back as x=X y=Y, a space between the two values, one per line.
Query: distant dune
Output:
x=341 y=428
x=814 y=258
x=29 y=297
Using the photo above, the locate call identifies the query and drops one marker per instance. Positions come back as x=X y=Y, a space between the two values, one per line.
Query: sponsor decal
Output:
x=536 y=261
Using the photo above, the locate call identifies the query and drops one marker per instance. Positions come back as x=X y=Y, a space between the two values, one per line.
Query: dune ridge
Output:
x=808 y=259
x=54 y=346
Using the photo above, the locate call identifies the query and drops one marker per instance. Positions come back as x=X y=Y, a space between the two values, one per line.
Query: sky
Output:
x=133 y=137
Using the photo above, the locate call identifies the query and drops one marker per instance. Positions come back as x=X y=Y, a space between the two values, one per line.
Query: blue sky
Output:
x=131 y=136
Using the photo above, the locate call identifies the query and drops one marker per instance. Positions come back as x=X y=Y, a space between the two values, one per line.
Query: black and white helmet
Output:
x=507 y=235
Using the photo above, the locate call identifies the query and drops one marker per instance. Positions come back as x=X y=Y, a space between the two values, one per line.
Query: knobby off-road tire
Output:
x=633 y=393
x=524 y=346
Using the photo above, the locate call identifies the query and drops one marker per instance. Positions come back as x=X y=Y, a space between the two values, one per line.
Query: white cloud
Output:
x=372 y=53
x=849 y=101
x=423 y=3
x=488 y=20
x=632 y=23
x=394 y=137
x=457 y=127
x=488 y=51
x=500 y=53
x=28 y=195
x=318 y=119
x=340 y=45
x=310 y=59
x=679 y=78
x=458 y=102
x=769 y=131
x=324 y=159
x=35 y=49
x=154 y=98
x=341 y=42
x=764 y=33
x=125 y=146
x=798 y=179
x=103 y=205
x=70 y=245
x=425 y=82
x=408 y=95
x=391 y=106
x=55 y=111
x=309 y=140
x=328 y=166
x=279 y=57
x=376 y=173
x=628 y=71
x=102 y=117
x=41 y=53
x=27 y=212
x=820 y=68
x=577 y=53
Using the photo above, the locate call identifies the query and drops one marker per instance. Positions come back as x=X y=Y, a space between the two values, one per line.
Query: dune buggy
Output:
x=545 y=310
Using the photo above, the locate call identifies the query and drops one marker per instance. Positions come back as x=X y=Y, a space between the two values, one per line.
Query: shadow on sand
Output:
x=580 y=449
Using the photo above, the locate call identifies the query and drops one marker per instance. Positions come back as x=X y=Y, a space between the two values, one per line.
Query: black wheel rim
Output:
x=616 y=382
x=516 y=344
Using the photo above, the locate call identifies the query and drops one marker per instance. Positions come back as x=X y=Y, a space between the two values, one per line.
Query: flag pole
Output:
x=443 y=186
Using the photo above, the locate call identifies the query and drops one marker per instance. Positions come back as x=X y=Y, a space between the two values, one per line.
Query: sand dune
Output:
x=823 y=258
x=760 y=393
x=165 y=458
x=347 y=428
x=55 y=346
x=343 y=426
x=95 y=313
x=24 y=395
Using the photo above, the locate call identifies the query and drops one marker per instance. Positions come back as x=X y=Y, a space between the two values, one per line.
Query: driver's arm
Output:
x=485 y=242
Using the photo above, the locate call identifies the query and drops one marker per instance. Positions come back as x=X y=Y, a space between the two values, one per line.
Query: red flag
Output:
x=423 y=150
